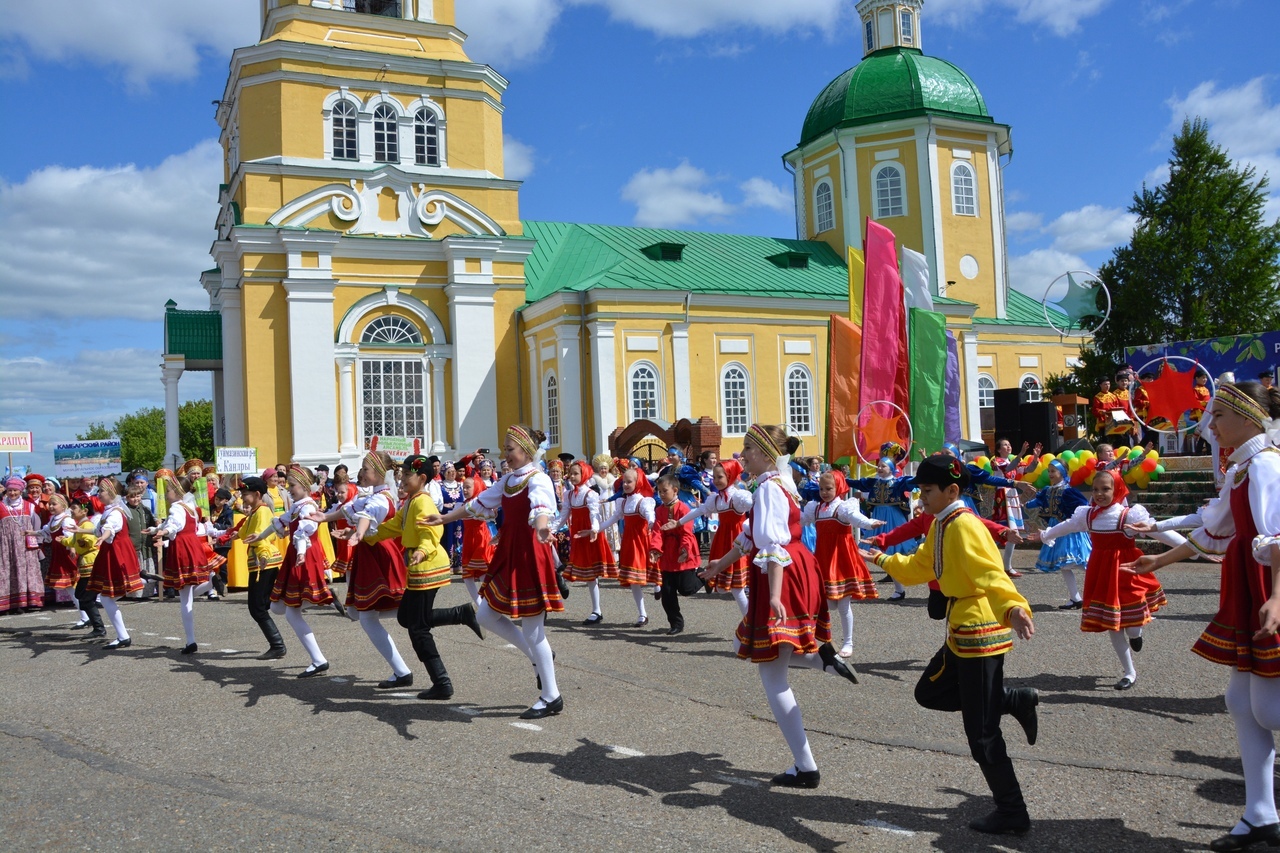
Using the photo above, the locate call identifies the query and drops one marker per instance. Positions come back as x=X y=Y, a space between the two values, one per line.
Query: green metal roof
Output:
x=194 y=334
x=1022 y=310
x=898 y=82
x=573 y=257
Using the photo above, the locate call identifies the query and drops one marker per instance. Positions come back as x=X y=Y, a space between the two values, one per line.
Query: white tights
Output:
x=473 y=590
x=1007 y=556
x=371 y=622
x=637 y=595
x=293 y=615
x=782 y=702
x=1254 y=705
x=1069 y=577
x=1120 y=642
x=740 y=596
x=530 y=638
x=186 y=597
x=113 y=613
x=845 y=607
x=593 y=589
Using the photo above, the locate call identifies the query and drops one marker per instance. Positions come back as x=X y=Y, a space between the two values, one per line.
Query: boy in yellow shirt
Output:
x=264 y=561
x=84 y=544
x=985 y=611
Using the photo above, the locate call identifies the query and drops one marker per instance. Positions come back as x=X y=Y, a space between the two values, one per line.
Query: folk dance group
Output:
x=785 y=591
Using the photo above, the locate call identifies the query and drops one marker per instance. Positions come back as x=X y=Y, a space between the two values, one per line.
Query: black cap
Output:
x=254 y=484
x=942 y=470
x=322 y=468
x=1267 y=374
x=222 y=495
x=566 y=458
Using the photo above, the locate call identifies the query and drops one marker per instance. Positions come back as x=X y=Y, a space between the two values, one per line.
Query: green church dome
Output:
x=898 y=82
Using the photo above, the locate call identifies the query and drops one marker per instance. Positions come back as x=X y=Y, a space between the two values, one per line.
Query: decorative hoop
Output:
x=1082 y=333
x=1175 y=431
x=911 y=440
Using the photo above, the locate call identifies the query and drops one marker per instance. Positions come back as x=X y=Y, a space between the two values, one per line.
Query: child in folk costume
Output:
x=378 y=576
x=1242 y=525
x=889 y=497
x=1006 y=505
x=21 y=582
x=1116 y=602
x=426 y=558
x=477 y=541
x=82 y=542
x=115 y=569
x=186 y=566
x=521 y=583
x=62 y=574
x=343 y=491
x=730 y=502
x=1069 y=552
x=674 y=548
x=635 y=509
x=264 y=560
x=844 y=574
x=967 y=673
x=301 y=577
x=787 y=621
x=590 y=557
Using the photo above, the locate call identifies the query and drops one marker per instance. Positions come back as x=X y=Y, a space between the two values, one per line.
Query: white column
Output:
x=235 y=431
x=345 y=356
x=852 y=206
x=439 y=438
x=311 y=391
x=535 y=382
x=999 y=248
x=569 y=372
x=971 y=416
x=680 y=364
x=931 y=205
x=475 y=381
x=171 y=371
x=604 y=382
x=219 y=411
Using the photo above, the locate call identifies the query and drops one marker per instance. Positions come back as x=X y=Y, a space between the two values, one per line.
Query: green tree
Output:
x=97 y=431
x=195 y=429
x=1202 y=262
x=141 y=435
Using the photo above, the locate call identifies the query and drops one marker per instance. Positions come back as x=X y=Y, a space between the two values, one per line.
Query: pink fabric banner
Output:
x=885 y=366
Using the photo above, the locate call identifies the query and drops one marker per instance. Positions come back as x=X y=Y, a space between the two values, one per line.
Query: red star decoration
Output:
x=1171 y=394
x=874 y=429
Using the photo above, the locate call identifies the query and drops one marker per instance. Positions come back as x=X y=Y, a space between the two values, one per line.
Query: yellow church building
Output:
x=373 y=278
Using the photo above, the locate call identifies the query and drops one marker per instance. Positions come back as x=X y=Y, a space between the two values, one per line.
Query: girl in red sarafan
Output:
x=590 y=557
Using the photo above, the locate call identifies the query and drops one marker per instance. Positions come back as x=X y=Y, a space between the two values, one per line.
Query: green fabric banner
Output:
x=927 y=339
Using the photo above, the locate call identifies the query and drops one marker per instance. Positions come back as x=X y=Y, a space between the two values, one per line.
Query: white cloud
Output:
x=506 y=31
x=519 y=159
x=97 y=384
x=1090 y=228
x=144 y=38
x=683 y=18
x=674 y=198
x=761 y=192
x=117 y=241
x=1033 y=272
x=1063 y=17
x=1022 y=221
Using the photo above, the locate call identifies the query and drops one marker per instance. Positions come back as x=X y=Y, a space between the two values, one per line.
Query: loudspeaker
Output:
x=1076 y=446
x=1008 y=424
x=1039 y=425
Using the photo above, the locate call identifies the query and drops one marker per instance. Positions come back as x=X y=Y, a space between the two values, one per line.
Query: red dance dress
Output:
x=185 y=561
x=378 y=576
x=636 y=512
x=115 y=570
x=731 y=507
x=588 y=560
x=477 y=548
x=522 y=574
x=844 y=573
x=63 y=572
x=297 y=583
x=774 y=536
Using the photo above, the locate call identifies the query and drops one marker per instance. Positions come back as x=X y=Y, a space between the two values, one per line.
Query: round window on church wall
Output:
x=969 y=267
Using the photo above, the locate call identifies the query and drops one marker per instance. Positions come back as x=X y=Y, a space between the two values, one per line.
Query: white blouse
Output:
x=59 y=527
x=632 y=504
x=1106 y=521
x=542 y=496
x=375 y=507
x=739 y=501
x=770 y=529
x=576 y=499
x=1258 y=462
x=110 y=522
x=177 y=519
x=847 y=512
x=306 y=527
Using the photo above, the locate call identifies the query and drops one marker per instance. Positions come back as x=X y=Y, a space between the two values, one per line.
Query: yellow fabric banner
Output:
x=857 y=282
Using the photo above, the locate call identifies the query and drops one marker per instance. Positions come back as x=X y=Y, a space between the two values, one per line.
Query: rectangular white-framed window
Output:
x=799 y=401
x=392 y=398
x=735 y=403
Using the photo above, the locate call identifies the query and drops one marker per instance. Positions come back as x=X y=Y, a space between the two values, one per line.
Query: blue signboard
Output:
x=1244 y=355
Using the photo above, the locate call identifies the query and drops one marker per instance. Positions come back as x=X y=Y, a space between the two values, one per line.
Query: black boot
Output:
x=463 y=614
x=441 y=686
x=1010 y=816
x=275 y=649
x=1020 y=703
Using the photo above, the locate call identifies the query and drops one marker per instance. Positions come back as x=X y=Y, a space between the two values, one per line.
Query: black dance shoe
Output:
x=97 y=633
x=1071 y=605
x=272 y=654
x=469 y=619
x=1135 y=643
x=1002 y=823
x=555 y=706
x=119 y=644
x=799 y=779
x=593 y=619
x=1021 y=704
x=313 y=670
x=189 y=649
x=337 y=605
x=675 y=629
x=443 y=690
x=1124 y=683
x=831 y=660
x=405 y=680
x=563 y=585
x=897 y=596
x=1268 y=834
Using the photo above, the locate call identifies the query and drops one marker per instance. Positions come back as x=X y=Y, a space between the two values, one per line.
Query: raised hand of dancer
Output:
x=1025 y=487
x=1269 y=613
x=543 y=531
x=1032 y=536
x=432 y=520
x=871 y=553
x=670 y=525
x=1141 y=527
x=877 y=522
x=1020 y=622
x=1012 y=535
x=586 y=534
x=1144 y=565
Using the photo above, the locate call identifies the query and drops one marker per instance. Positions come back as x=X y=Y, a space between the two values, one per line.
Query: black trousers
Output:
x=260 y=584
x=674 y=584
x=975 y=688
x=88 y=602
x=418 y=615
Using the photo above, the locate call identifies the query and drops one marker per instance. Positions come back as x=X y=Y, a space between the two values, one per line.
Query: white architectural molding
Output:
x=348 y=449
x=850 y=204
x=969 y=356
x=535 y=371
x=342 y=201
x=170 y=372
x=680 y=369
x=233 y=390
x=311 y=391
x=569 y=371
x=603 y=382
x=995 y=183
x=475 y=381
x=439 y=344
x=440 y=440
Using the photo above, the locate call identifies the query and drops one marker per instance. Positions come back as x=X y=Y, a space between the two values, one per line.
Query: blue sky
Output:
x=668 y=112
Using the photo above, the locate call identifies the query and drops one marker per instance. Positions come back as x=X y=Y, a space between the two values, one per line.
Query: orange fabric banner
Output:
x=843 y=378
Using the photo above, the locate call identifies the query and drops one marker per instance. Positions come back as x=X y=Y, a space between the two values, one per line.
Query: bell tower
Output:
x=890 y=23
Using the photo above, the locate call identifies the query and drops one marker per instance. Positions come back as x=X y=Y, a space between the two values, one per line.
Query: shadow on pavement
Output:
x=746 y=796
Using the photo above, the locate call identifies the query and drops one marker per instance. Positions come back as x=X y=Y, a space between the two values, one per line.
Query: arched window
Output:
x=733 y=397
x=1031 y=384
x=644 y=391
x=386 y=135
x=426 y=138
x=889 y=200
x=391 y=330
x=799 y=400
x=869 y=29
x=824 y=207
x=986 y=392
x=553 y=411
x=964 y=194
x=344 y=131
x=908 y=27
x=392 y=398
